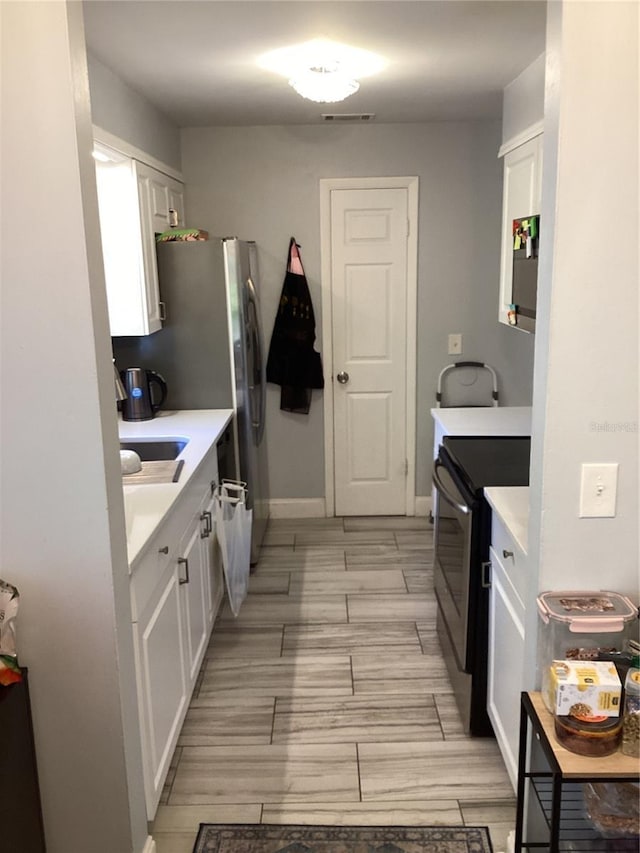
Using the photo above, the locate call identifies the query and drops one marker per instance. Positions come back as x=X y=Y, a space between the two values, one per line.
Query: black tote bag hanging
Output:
x=293 y=363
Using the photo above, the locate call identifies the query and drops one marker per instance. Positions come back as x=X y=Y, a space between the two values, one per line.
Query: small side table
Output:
x=557 y=787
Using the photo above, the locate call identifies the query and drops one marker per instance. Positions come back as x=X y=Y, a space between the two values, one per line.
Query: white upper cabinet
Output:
x=165 y=198
x=176 y=207
x=135 y=203
x=522 y=190
x=150 y=315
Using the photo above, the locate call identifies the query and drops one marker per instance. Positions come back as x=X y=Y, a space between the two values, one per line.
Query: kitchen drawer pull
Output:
x=163 y=550
x=486 y=575
x=162 y=308
x=183 y=560
x=506 y=553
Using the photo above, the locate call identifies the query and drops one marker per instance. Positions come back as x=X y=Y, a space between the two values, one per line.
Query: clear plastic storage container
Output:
x=631 y=714
x=579 y=625
x=598 y=738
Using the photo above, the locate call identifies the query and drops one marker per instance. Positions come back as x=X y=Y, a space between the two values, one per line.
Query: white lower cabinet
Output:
x=215 y=575
x=506 y=649
x=175 y=596
x=193 y=569
x=162 y=682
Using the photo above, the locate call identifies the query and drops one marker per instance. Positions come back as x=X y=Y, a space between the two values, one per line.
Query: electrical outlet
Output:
x=455 y=345
x=598 y=487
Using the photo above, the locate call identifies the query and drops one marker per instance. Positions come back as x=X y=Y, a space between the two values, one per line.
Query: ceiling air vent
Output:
x=348 y=116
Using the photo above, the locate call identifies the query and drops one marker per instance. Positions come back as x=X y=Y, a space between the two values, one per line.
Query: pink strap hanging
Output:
x=295 y=262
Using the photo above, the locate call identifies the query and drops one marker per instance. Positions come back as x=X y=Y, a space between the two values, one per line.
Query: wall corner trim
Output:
x=124 y=147
x=528 y=133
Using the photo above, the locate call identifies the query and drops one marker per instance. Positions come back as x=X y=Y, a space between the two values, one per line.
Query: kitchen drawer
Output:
x=163 y=545
x=506 y=664
x=512 y=558
x=499 y=572
x=149 y=571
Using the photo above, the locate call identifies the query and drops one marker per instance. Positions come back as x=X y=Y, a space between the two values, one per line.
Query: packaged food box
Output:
x=584 y=689
x=581 y=626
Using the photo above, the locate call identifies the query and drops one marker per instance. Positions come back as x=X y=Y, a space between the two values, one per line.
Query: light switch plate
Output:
x=455 y=344
x=598 y=489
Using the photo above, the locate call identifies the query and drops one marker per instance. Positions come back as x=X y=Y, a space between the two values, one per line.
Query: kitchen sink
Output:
x=156 y=450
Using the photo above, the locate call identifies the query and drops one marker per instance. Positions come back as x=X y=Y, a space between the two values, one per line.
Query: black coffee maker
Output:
x=141 y=404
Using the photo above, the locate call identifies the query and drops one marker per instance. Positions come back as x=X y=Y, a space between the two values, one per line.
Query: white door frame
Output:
x=326 y=187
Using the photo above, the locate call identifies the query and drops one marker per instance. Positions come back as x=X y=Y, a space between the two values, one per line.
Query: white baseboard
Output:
x=316 y=507
x=297 y=508
x=149 y=845
x=424 y=504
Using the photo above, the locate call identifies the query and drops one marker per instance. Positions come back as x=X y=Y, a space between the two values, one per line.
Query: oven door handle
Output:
x=437 y=482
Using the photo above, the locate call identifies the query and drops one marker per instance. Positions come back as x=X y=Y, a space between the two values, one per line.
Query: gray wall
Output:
x=523 y=100
x=586 y=372
x=63 y=533
x=262 y=183
x=121 y=110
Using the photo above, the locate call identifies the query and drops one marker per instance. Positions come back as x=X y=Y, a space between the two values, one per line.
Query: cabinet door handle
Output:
x=163 y=550
x=163 y=310
x=206 y=517
x=486 y=575
x=185 y=562
x=214 y=486
x=506 y=553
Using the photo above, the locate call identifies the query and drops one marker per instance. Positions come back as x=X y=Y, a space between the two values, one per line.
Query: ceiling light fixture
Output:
x=324 y=85
x=323 y=71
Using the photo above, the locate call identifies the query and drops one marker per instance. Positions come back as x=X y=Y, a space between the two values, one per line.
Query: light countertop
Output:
x=509 y=420
x=511 y=504
x=146 y=505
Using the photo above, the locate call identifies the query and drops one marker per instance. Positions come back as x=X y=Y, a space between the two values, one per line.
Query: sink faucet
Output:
x=121 y=394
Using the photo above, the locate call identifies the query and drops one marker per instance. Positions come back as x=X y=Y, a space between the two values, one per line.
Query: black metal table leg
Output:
x=556 y=803
x=522 y=764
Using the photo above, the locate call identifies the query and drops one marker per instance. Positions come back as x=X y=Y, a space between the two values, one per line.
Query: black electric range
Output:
x=490 y=460
x=462 y=534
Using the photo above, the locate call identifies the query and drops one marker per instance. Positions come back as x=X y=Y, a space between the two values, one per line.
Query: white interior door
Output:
x=369 y=230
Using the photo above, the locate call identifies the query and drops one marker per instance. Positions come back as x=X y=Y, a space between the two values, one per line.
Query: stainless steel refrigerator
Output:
x=210 y=350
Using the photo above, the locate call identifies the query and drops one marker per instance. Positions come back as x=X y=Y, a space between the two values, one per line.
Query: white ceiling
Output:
x=196 y=61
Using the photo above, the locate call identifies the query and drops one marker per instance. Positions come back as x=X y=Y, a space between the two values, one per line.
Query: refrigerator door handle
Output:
x=259 y=421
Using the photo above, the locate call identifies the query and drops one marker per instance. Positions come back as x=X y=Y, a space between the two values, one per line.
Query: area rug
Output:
x=272 y=838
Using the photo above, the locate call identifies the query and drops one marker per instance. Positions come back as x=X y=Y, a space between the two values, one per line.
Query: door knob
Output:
x=343 y=377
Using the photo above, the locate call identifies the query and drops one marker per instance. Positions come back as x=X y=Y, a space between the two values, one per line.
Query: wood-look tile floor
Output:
x=327 y=700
